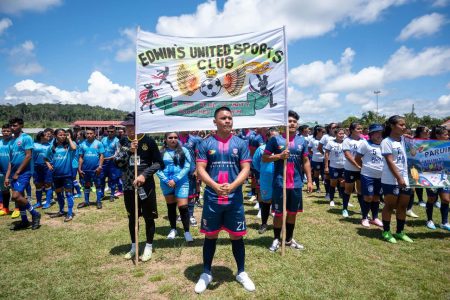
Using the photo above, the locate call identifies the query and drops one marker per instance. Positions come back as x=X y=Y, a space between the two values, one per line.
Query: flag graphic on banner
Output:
x=181 y=81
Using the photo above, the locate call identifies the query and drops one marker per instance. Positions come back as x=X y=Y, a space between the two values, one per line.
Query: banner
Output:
x=181 y=81
x=428 y=163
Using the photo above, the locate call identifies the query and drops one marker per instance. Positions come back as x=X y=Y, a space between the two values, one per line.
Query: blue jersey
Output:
x=247 y=135
x=191 y=144
x=298 y=148
x=4 y=155
x=223 y=160
x=17 y=152
x=255 y=141
x=91 y=154
x=61 y=160
x=264 y=168
x=39 y=152
x=171 y=170
x=111 y=146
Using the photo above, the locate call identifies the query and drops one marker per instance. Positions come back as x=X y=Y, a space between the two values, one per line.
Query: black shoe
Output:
x=82 y=204
x=262 y=228
x=20 y=226
x=58 y=215
x=36 y=221
x=99 y=205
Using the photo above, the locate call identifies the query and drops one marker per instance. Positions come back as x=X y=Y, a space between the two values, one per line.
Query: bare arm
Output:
x=351 y=159
x=307 y=169
x=201 y=170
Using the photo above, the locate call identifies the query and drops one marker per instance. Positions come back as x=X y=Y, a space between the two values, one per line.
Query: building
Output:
x=99 y=126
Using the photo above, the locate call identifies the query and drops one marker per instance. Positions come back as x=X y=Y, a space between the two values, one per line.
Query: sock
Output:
x=6 y=198
x=28 y=189
x=30 y=208
x=444 y=212
x=327 y=185
x=172 y=214
x=341 y=191
x=133 y=247
x=345 y=200
x=77 y=187
x=209 y=248
x=87 y=191
x=317 y=182
x=331 y=192
x=374 y=208
x=69 y=203
x=429 y=210
x=239 y=254
x=254 y=191
x=419 y=193
x=148 y=246
x=1 y=200
x=265 y=212
x=361 y=202
x=289 y=231
x=277 y=233
x=39 y=195
x=191 y=205
x=411 y=201
x=120 y=186
x=60 y=198
x=99 y=195
x=184 y=214
x=23 y=213
x=113 y=190
x=386 y=225
x=150 y=229
x=48 y=195
x=400 y=225
x=365 y=208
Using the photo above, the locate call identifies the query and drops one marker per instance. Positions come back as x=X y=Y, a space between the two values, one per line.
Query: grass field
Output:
x=84 y=259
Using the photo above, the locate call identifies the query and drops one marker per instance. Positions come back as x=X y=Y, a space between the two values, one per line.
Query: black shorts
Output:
x=146 y=208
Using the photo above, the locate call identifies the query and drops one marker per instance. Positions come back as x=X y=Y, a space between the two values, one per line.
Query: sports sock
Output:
x=341 y=191
x=365 y=208
x=87 y=192
x=191 y=205
x=239 y=254
x=326 y=183
x=99 y=194
x=429 y=210
x=345 y=200
x=77 y=186
x=133 y=247
x=386 y=225
x=172 y=214
x=69 y=203
x=289 y=231
x=411 y=201
x=120 y=186
x=6 y=198
x=150 y=229
x=28 y=189
x=265 y=212
x=60 y=198
x=400 y=225
x=444 y=212
x=48 y=195
x=148 y=246
x=23 y=213
x=419 y=193
x=317 y=182
x=112 y=189
x=30 y=208
x=184 y=214
x=209 y=248
x=331 y=192
x=39 y=195
x=374 y=208
x=277 y=233
x=361 y=202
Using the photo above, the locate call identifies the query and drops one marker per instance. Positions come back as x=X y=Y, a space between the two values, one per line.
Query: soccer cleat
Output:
x=68 y=218
x=147 y=255
x=188 y=237
x=15 y=214
x=275 y=245
x=327 y=197
x=411 y=214
x=246 y=282
x=35 y=221
x=203 y=282
x=59 y=214
x=77 y=196
x=445 y=226
x=430 y=225
x=172 y=234
x=402 y=236
x=345 y=213
x=387 y=236
x=118 y=194
x=193 y=222
x=365 y=223
x=99 y=205
x=47 y=205
x=437 y=204
x=252 y=199
x=262 y=228
x=332 y=204
x=37 y=205
x=294 y=245
x=4 y=211
x=130 y=254
x=20 y=226
x=83 y=204
x=376 y=222
x=422 y=204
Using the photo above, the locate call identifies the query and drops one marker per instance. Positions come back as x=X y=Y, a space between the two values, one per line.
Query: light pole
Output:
x=376 y=94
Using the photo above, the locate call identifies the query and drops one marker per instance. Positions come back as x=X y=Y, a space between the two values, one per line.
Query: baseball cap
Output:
x=375 y=127
x=129 y=119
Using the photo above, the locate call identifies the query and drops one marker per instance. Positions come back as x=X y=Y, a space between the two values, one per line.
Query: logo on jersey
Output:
x=299 y=147
x=211 y=152
x=280 y=147
x=205 y=223
x=396 y=191
x=145 y=147
x=19 y=143
x=370 y=188
x=235 y=150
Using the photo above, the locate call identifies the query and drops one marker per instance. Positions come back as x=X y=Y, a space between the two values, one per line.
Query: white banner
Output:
x=180 y=81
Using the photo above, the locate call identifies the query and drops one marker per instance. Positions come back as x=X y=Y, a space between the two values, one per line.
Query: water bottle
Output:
x=142 y=193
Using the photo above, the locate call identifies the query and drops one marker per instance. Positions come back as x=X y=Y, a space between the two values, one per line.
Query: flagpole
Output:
x=283 y=227
x=136 y=209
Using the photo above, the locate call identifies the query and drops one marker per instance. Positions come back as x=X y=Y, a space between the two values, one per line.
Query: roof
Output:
x=86 y=123
x=446 y=124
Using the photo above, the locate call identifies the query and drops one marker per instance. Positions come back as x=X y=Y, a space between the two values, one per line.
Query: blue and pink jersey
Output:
x=223 y=160
x=298 y=148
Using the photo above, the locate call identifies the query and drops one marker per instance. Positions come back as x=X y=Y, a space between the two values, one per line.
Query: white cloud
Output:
x=17 y=6
x=367 y=78
x=5 y=23
x=303 y=18
x=309 y=106
x=441 y=3
x=127 y=52
x=444 y=100
x=22 y=60
x=423 y=26
x=101 y=91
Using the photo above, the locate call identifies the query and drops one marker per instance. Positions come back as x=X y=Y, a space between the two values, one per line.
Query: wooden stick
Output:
x=283 y=228
x=136 y=210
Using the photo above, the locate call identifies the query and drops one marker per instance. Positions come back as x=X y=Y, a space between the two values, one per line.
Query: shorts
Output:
x=351 y=176
x=42 y=174
x=111 y=171
x=370 y=186
x=393 y=189
x=181 y=189
x=146 y=208
x=217 y=217
x=336 y=173
x=192 y=193
x=2 y=183
x=265 y=185
x=91 y=177
x=318 y=166
x=65 y=182
x=436 y=192
x=294 y=201
x=20 y=184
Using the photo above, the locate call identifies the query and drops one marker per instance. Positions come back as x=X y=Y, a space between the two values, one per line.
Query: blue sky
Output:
x=339 y=51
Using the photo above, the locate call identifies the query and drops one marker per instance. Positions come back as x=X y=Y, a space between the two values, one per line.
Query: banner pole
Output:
x=136 y=204
x=283 y=228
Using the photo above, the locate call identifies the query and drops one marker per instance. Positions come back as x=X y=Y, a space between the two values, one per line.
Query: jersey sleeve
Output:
x=28 y=143
x=327 y=147
x=362 y=148
x=305 y=148
x=48 y=154
x=346 y=145
x=386 y=147
x=271 y=146
x=323 y=140
x=244 y=153
x=101 y=148
x=201 y=156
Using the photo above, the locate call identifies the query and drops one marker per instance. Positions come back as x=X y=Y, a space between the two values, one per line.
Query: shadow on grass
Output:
x=435 y=234
x=322 y=202
x=220 y=274
x=370 y=233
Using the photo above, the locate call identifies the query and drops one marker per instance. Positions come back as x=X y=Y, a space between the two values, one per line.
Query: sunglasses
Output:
x=111 y=131
x=172 y=138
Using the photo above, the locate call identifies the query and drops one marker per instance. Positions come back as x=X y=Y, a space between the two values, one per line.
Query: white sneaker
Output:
x=172 y=234
x=202 y=283
x=252 y=198
x=256 y=205
x=275 y=245
x=294 y=245
x=246 y=282
x=411 y=214
x=350 y=205
x=130 y=254
x=437 y=204
x=147 y=255
x=332 y=204
x=259 y=214
x=327 y=197
x=188 y=237
x=422 y=204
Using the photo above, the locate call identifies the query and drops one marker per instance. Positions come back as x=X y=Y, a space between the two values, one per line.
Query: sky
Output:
x=340 y=52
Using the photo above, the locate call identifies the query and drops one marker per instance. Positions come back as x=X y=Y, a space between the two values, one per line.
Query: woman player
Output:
x=317 y=164
x=334 y=163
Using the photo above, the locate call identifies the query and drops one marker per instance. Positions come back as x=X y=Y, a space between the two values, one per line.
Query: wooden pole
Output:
x=136 y=210
x=283 y=228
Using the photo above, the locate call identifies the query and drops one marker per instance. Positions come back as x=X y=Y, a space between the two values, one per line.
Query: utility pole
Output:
x=377 y=92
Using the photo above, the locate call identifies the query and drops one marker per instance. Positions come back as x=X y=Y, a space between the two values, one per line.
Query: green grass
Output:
x=83 y=259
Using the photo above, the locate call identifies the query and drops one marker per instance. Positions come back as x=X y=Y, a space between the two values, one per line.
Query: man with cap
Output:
x=148 y=161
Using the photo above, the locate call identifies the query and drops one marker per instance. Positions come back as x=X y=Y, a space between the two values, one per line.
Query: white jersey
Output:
x=372 y=160
x=325 y=139
x=351 y=145
x=317 y=156
x=397 y=150
x=336 y=154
